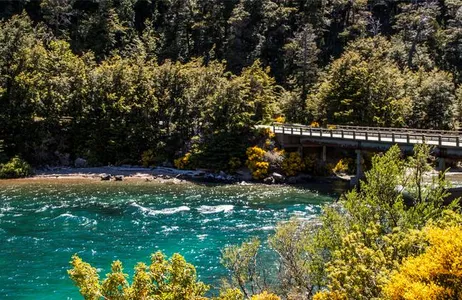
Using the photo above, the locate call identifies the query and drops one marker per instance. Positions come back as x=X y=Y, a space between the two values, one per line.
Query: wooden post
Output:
x=354 y=135
x=343 y=133
x=291 y=130
x=283 y=131
x=367 y=136
x=301 y=131
x=324 y=153
x=380 y=136
x=407 y=138
x=311 y=131
x=392 y=137
x=457 y=141
x=440 y=140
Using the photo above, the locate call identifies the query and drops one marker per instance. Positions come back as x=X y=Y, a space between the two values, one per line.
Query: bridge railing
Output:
x=374 y=134
x=392 y=129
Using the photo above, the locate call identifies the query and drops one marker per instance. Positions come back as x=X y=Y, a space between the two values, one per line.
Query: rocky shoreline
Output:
x=172 y=176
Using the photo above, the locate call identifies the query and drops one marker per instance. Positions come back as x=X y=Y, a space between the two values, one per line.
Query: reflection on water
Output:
x=43 y=224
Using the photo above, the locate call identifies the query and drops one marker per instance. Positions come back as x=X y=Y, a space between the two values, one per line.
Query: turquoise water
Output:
x=43 y=224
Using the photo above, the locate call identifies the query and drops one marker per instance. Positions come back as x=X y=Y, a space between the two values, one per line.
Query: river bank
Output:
x=166 y=175
x=170 y=176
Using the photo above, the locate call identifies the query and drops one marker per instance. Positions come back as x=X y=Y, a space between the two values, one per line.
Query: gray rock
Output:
x=119 y=178
x=105 y=177
x=269 y=180
x=80 y=163
x=278 y=177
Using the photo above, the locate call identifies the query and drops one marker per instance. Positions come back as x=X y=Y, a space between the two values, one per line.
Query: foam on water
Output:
x=206 y=209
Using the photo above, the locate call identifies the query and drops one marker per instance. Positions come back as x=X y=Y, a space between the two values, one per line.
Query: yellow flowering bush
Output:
x=342 y=166
x=267 y=133
x=184 y=162
x=280 y=119
x=314 y=124
x=293 y=164
x=256 y=162
x=435 y=274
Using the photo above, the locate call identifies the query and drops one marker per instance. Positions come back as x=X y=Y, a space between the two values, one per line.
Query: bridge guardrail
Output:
x=377 y=134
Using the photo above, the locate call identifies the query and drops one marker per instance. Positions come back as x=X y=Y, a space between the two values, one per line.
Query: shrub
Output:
x=183 y=163
x=256 y=162
x=344 y=165
x=435 y=274
x=280 y=119
x=266 y=133
x=331 y=127
x=275 y=158
x=314 y=124
x=15 y=168
x=265 y=296
x=148 y=158
x=234 y=164
x=163 y=279
x=293 y=164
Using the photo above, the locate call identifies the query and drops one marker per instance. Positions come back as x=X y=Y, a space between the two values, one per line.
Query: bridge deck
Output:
x=446 y=139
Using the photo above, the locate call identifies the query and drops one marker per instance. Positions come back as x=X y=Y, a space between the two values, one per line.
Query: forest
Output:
x=131 y=81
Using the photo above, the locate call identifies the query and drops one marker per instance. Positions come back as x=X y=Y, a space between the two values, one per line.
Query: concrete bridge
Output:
x=447 y=144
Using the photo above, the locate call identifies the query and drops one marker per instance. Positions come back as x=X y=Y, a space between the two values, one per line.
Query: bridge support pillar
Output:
x=324 y=153
x=441 y=164
x=359 y=169
x=300 y=151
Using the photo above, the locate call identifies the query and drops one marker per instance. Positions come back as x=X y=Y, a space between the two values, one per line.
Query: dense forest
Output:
x=125 y=81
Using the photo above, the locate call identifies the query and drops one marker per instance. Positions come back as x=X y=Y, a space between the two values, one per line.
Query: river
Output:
x=43 y=223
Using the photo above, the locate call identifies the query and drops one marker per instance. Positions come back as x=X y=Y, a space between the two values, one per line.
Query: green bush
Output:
x=15 y=168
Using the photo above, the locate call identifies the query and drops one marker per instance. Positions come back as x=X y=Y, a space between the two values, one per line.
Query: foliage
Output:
x=183 y=162
x=362 y=90
x=162 y=279
x=110 y=80
x=359 y=241
x=265 y=296
x=15 y=168
x=256 y=163
x=234 y=164
x=3 y=158
x=434 y=102
x=280 y=119
x=292 y=164
x=230 y=294
x=148 y=158
x=341 y=166
x=242 y=263
x=435 y=274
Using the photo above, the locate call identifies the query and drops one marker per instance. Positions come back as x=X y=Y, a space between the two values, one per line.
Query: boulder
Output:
x=119 y=177
x=80 y=163
x=269 y=180
x=278 y=177
x=105 y=177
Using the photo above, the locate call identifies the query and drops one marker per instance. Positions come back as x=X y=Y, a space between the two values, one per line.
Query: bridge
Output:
x=446 y=144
